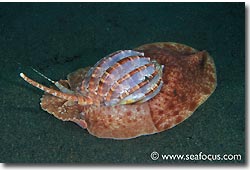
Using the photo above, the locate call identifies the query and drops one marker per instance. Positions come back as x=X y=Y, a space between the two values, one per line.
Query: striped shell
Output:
x=123 y=77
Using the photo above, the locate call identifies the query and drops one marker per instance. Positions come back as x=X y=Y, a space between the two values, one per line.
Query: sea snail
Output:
x=128 y=93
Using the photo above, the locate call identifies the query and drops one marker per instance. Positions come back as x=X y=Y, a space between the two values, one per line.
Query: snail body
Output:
x=128 y=93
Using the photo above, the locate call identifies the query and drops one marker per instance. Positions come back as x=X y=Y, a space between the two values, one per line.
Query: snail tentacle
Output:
x=82 y=100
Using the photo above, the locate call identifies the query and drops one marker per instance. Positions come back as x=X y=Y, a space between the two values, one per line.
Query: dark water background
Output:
x=58 y=38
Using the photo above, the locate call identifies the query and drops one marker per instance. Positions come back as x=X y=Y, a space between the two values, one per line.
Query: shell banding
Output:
x=123 y=77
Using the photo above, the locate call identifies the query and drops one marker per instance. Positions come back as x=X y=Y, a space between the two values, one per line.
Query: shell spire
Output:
x=81 y=100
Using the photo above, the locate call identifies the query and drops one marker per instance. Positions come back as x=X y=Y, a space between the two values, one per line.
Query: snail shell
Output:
x=123 y=77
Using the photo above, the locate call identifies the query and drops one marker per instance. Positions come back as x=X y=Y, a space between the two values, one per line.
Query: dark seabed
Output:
x=58 y=38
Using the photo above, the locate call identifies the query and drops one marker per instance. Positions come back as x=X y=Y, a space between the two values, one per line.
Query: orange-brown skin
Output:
x=189 y=79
